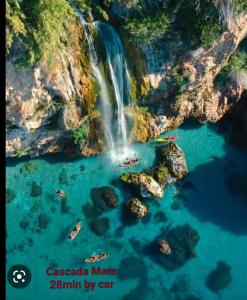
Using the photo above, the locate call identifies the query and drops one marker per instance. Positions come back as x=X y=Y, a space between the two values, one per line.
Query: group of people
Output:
x=130 y=162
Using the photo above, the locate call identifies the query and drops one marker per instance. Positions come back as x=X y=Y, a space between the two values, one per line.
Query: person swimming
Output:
x=61 y=194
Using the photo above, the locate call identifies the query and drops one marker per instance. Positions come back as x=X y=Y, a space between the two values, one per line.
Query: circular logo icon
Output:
x=19 y=276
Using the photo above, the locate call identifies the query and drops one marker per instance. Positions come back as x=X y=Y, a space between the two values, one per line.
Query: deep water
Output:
x=212 y=199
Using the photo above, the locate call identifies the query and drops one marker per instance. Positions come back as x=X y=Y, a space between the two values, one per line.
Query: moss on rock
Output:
x=144 y=184
x=161 y=173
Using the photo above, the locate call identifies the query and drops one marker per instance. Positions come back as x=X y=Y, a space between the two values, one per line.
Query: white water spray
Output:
x=114 y=126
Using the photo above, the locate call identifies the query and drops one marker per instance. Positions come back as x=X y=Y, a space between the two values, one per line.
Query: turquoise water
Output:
x=210 y=201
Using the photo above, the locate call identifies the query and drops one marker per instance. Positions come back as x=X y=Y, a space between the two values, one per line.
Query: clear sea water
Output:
x=211 y=202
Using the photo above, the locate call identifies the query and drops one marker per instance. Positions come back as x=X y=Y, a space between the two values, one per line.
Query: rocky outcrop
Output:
x=170 y=164
x=164 y=247
x=104 y=198
x=44 y=103
x=235 y=122
x=173 y=157
x=144 y=184
x=199 y=98
x=137 y=208
x=176 y=246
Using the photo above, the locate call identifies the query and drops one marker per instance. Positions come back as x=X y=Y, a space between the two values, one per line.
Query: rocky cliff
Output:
x=46 y=103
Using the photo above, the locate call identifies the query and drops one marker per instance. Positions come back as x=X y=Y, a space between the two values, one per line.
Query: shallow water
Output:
x=211 y=202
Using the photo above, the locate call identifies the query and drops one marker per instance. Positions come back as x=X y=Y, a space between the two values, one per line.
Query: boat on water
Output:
x=166 y=139
x=130 y=162
x=96 y=258
x=75 y=231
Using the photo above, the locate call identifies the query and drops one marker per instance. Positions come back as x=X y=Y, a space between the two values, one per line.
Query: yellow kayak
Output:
x=166 y=139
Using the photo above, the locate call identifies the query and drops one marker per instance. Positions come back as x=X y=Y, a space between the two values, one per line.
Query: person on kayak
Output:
x=96 y=258
x=103 y=256
x=61 y=194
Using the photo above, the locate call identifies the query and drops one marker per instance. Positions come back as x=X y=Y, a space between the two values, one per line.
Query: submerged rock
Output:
x=36 y=189
x=176 y=205
x=140 y=292
x=28 y=167
x=99 y=226
x=131 y=267
x=63 y=177
x=43 y=220
x=145 y=184
x=172 y=155
x=24 y=224
x=10 y=195
x=64 y=206
x=137 y=208
x=160 y=217
x=182 y=241
x=82 y=168
x=219 y=278
x=104 y=198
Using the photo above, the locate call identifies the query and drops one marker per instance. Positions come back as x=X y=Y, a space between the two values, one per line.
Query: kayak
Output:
x=96 y=258
x=166 y=139
x=130 y=163
x=75 y=231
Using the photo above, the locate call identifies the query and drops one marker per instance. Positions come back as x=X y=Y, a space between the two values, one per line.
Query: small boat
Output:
x=96 y=258
x=75 y=231
x=166 y=139
x=130 y=163
x=61 y=194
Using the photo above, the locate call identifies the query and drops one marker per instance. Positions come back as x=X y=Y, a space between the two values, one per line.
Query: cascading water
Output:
x=114 y=124
x=120 y=81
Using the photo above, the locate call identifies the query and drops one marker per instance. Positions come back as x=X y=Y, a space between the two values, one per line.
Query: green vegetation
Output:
x=202 y=15
x=22 y=152
x=236 y=63
x=161 y=174
x=129 y=177
x=41 y=26
x=209 y=33
x=81 y=133
x=147 y=29
x=15 y=26
x=178 y=79
x=93 y=7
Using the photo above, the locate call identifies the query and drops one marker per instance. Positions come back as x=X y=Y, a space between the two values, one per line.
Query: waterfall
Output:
x=114 y=123
x=119 y=78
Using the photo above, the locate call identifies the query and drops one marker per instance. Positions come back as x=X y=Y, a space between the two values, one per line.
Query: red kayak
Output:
x=96 y=258
x=75 y=231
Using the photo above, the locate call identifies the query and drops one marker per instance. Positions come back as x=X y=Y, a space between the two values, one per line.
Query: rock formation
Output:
x=137 y=208
x=144 y=184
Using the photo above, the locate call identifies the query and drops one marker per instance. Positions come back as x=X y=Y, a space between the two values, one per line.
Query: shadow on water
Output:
x=221 y=196
x=53 y=158
x=191 y=124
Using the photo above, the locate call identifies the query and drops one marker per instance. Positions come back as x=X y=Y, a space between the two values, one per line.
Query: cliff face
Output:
x=45 y=103
x=199 y=98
